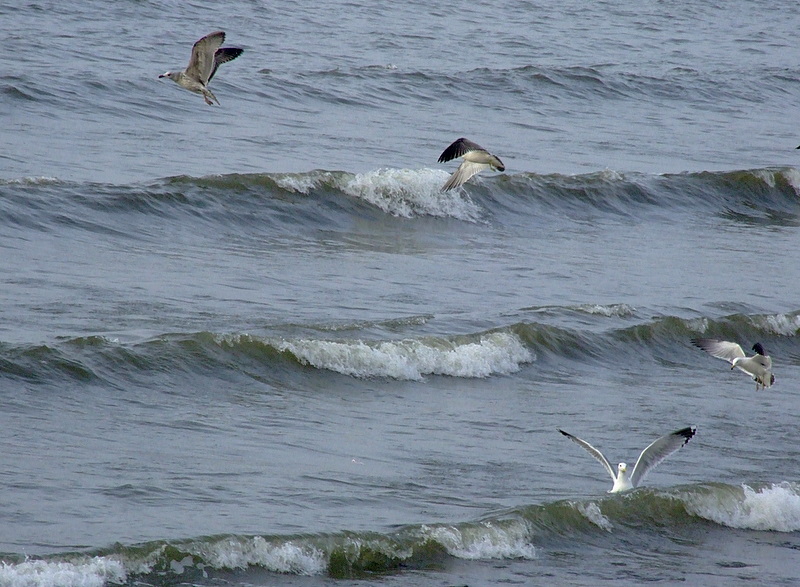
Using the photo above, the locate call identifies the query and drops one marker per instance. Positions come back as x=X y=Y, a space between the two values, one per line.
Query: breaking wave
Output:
x=495 y=352
x=519 y=533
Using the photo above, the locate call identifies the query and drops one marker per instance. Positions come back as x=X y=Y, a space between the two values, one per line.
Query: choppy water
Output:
x=255 y=344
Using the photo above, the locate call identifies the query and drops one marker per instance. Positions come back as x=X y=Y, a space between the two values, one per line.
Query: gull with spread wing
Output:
x=475 y=157
x=207 y=56
x=647 y=461
x=759 y=366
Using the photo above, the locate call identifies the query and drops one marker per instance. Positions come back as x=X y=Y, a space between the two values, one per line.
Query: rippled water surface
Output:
x=255 y=343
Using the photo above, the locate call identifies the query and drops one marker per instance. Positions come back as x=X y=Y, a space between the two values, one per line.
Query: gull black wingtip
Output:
x=687 y=433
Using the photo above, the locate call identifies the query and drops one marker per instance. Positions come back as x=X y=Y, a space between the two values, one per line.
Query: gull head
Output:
x=168 y=74
x=622 y=467
x=496 y=164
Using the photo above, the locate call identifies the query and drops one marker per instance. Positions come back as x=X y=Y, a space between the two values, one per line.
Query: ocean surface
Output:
x=255 y=344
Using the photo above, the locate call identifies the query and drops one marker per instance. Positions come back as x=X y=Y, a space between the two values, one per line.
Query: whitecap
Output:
x=92 y=572
x=487 y=540
x=283 y=557
x=792 y=176
x=775 y=507
x=32 y=180
x=496 y=353
x=591 y=511
x=608 y=310
x=411 y=192
x=766 y=175
x=301 y=183
x=781 y=324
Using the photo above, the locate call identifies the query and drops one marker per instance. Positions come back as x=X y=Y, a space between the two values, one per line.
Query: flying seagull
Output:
x=648 y=460
x=759 y=366
x=207 y=55
x=476 y=159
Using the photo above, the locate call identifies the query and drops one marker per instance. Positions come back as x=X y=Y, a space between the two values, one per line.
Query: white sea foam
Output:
x=301 y=183
x=792 y=176
x=775 y=507
x=281 y=557
x=496 y=353
x=609 y=310
x=591 y=511
x=487 y=540
x=92 y=572
x=781 y=324
x=411 y=192
x=765 y=175
x=770 y=177
x=610 y=175
x=42 y=180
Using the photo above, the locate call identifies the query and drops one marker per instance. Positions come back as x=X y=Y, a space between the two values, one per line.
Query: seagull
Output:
x=476 y=159
x=650 y=458
x=759 y=366
x=207 y=55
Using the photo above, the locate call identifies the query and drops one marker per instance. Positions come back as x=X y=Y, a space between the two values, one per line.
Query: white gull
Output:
x=759 y=366
x=647 y=461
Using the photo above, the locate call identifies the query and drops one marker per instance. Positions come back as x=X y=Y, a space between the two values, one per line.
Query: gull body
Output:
x=207 y=56
x=759 y=366
x=650 y=457
x=475 y=157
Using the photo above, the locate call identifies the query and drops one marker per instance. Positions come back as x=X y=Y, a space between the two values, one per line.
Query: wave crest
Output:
x=90 y=572
x=411 y=192
x=516 y=534
x=506 y=539
x=774 y=507
x=494 y=353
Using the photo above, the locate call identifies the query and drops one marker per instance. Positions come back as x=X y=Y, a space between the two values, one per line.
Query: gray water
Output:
x=255 y=344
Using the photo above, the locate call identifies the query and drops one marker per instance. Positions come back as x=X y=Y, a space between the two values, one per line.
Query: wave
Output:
x=401 y=193
x=522 y=87
x=770 y=194
x=519 y=533
x=584 y=334
x=331 y=200
x=491 y=354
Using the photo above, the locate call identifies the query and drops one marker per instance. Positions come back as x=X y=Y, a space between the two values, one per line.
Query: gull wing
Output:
x=722 y=349
x=660 y=450
x=201 y=64
x=459 y=148
x=466 y=170
x=223 y=55
x=592 y=451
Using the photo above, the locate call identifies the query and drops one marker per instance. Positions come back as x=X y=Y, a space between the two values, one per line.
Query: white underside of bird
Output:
x=759 y=366
x=475 y=159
